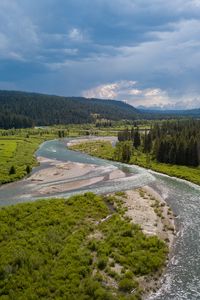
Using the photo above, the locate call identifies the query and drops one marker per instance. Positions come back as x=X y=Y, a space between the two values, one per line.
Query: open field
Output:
x=17 y=152
x=84 y=247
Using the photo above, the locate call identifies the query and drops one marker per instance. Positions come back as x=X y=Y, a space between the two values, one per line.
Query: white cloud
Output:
x=110 y=90
x=123 y=90
x=77 y=35
x=146 y=97
x=104 y=91
x=135 y=92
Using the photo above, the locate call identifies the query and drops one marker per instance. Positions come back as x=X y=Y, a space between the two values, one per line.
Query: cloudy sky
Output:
x=140 y=51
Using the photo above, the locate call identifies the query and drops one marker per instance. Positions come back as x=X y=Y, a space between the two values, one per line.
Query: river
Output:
x=182 y=277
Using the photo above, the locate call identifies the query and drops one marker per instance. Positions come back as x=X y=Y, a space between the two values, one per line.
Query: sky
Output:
x=146 y=53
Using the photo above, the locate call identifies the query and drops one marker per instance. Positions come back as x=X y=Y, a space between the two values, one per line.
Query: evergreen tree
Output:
x=28 y=169
x=136 y=138
x=12 y=170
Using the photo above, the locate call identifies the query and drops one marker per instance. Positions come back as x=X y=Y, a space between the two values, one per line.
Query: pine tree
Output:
x=12 y=170
x=136 y=139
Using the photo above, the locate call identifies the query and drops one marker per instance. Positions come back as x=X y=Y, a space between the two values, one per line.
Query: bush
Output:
x=102 y=263
x=126 y=285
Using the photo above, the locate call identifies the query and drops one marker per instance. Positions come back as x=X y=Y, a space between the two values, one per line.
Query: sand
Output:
x=60 y=177
x=57 y=177
x=70 y=186
x=60 y=171
x=153 y=219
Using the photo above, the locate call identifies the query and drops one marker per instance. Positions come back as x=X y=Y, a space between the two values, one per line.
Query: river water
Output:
x=182 y=277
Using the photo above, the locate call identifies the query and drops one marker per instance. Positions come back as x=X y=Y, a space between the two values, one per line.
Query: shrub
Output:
x=102 y=263
x=126 y=285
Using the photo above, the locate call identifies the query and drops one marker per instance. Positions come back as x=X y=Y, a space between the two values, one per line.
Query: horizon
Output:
x=140 y=107
x=146 y=54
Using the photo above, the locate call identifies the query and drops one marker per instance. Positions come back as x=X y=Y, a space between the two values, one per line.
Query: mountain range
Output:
x=22 y=109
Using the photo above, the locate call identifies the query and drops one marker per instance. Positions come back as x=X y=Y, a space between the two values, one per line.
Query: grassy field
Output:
x=75 y=249
x=17 y=152
x=105 y=150
x=102 y=149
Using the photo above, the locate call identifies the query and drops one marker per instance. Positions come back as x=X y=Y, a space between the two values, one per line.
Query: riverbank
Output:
x=17 y=153
x=104 y=149
x=148 y=209
x=143 y=207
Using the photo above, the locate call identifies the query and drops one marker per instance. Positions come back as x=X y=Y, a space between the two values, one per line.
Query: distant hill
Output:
x=21 y=109
x=160 y=113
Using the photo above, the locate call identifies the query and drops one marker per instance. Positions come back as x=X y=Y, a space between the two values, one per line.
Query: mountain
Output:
x=155 y=112
x=21 y=109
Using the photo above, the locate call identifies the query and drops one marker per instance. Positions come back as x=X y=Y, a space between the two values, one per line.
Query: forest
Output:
x=176 y=142
x=23 y=110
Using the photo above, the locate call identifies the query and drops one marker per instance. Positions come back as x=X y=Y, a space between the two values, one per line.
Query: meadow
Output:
x=76 y=248
x=17 y=148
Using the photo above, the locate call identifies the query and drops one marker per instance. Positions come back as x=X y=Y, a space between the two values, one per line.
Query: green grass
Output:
x=18 y=151
x=102 y=149
x=51 y=250
x=105 y=150
x=183 y=172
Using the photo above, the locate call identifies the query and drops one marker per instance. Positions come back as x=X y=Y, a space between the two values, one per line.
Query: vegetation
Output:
x=23 y=110
x=169 y=147
x=17 y=148
x=102 y=149
x=170 y=142
x=68 y=249
x=177 y=142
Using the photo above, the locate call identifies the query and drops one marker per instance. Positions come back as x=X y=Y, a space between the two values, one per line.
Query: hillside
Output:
x=160 y=113
x=20 y=109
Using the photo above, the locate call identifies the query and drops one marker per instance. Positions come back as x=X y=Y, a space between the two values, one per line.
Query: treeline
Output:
x=177 y=142
x=22 y=110
x=171 y=142
x=12 y=120
x=170 y=114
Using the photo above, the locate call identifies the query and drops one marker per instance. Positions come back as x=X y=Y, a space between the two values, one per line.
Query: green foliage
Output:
x=177 y=142
x=46 y=251
x=127 y=285
x=102 y=149
x=141 y=156
x=102 y=262
x=16 y=152
x=120 y=194
x=123 y=151
x=188 y=173
x=23 y=110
